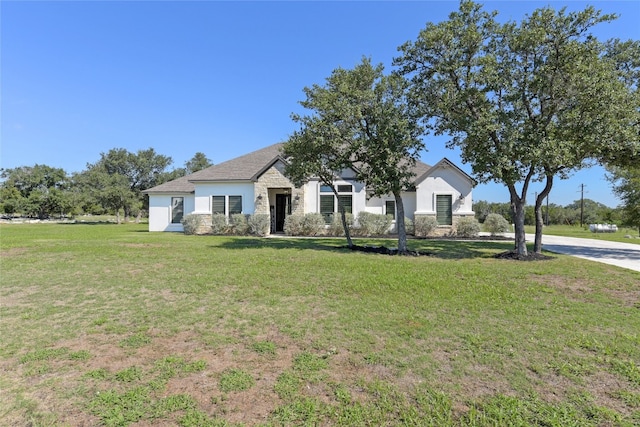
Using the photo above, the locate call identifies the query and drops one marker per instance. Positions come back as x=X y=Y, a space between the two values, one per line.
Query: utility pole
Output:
x=581 y=205
x=547 y=209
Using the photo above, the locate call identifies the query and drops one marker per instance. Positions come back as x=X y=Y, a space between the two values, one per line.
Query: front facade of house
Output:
x=255 y=184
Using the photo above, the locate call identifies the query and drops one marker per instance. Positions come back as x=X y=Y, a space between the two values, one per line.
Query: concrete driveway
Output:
x=626 y=255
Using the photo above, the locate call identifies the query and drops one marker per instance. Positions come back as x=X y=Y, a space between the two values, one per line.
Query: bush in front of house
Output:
x=408 y=226
x=370 y=224
x=259 y=224
x=424 y=226
x=191 y=223
x=313 y=224
x=336 y=228
x=467 y=226
x=293 y=225
x=238 y=224
x=219 y=224
x=495 y=224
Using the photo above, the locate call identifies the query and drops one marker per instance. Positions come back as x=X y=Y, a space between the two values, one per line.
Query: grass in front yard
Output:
x=112 y=325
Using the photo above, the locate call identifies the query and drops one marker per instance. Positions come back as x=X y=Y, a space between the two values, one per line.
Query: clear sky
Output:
x=81 y=77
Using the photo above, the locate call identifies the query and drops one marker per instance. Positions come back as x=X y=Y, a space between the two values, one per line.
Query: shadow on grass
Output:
x=320 y=244
x=443 y=249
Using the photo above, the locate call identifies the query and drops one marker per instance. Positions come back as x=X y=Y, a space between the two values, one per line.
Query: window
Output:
x=226 y=205
x=177 y=209
x=219 y=205
x=390 y=208
x=345 y=200
x=327 y=207
x=443 y=209
x=235 y=205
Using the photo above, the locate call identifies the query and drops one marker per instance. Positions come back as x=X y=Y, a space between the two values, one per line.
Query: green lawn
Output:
x=111 y=325
x=626 y=235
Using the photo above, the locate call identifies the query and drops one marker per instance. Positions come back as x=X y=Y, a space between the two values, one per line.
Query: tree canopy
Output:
x=626 y=185
x=361 y=121
x=37 y=190
x=523 y=101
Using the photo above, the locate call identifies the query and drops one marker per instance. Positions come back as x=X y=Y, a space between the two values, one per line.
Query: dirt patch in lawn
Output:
x=12 y=252
x=579 y=290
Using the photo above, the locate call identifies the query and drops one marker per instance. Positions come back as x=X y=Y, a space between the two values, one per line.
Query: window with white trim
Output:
x=226 y=205
x=177 y=209
x=330 y=205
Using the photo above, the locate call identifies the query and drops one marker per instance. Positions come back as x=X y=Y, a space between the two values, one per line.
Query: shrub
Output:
x=370 y=224
x=259 y=224
x=467 y=227
x=239 y=225
x=424 y=225
x=336 y=228
x=191 y=223
x=219 y=224
x=293 y=225
x=313 y=224
x=495 y=224
x=408 y=226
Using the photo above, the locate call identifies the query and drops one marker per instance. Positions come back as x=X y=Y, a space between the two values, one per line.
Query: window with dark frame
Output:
x=345 y=200
x=177 y=209
x=327 y=207
x=390 y=208
x=444 y=214
x=219 y=205
x=235 y=205
x=226 y=205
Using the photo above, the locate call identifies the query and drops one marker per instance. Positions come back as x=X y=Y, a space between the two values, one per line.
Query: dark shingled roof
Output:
x=244 y=168
x=179 y=185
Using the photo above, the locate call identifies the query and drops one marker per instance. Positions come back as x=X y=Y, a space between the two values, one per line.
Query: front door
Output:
x=283 y=208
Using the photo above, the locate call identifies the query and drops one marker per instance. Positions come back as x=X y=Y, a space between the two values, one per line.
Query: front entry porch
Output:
x=279 y=208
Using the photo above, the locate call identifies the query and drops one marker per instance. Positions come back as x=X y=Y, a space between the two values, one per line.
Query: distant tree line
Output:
x=112 y=185
x=590 y=211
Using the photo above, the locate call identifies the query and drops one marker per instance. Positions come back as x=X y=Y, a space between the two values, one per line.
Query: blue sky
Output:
x=80 y=78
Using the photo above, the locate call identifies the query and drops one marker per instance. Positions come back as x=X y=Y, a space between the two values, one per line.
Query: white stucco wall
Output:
x=443 y=181
x=204 y=192
x=377 y=205
x=160 y=211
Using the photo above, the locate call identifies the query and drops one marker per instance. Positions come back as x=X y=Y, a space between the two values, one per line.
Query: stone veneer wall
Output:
x=274 y=178
x=205 y=224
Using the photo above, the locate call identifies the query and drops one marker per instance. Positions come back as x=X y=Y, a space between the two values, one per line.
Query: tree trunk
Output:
x=118 y=215
x=347 y=232
x=537 y=245
x=400 y=225
x=517 y=210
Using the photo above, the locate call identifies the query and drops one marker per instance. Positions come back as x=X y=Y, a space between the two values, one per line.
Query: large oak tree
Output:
x=525 y=102
x=361 y=121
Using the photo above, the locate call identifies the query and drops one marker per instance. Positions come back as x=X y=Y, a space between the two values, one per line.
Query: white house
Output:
x=255 y=184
